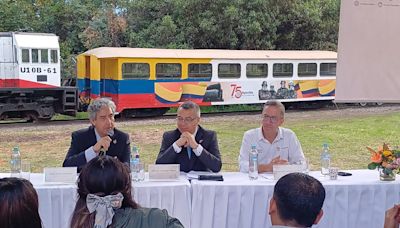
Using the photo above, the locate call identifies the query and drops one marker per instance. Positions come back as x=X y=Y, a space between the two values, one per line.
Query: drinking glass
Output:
x=25 y=170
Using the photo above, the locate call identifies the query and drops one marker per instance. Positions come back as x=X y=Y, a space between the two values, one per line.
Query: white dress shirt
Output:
x=286 y=145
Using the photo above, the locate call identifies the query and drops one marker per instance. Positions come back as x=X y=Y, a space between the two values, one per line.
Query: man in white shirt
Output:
x=297 y=201
x=275 y=144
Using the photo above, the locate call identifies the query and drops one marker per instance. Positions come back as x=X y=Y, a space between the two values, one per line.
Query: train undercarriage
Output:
x=37 y=104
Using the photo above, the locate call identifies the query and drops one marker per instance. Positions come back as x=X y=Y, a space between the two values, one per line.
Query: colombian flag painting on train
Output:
x=157 y=79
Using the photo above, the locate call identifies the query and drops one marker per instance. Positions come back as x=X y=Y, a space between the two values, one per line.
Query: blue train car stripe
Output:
x=126 y=86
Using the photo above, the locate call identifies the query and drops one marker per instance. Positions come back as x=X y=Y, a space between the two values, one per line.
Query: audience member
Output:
x=190 y=145
x=105 y=199
x=275 y=144
x=392 y=217
x=297 y=201
x=19 y=205
x=100 y=137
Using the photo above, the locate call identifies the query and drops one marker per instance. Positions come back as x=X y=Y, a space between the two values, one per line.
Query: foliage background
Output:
x=222 y=24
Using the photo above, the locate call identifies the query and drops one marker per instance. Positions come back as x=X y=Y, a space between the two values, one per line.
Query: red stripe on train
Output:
x=19 y=83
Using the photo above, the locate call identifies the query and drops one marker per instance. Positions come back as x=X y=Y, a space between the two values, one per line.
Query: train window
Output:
x=327 y=69
x=135 y=71
x=35 y=55
x=283 y=70
x=168 y=70
x=54 y=56
x=307 y=69
x=229 y=70
x=200 y=71
x=25 y=55
x=44 y=56
x=257 y=70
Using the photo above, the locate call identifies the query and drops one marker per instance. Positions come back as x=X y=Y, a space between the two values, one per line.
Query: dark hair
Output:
x=102 y=176
x=187 y=105
x=299 y=197
x=19 y=205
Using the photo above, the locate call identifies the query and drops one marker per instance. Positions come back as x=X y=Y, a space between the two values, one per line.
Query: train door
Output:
x=8 y=62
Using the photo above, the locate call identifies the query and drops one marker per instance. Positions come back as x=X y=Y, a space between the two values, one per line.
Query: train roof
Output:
x=125 y=52
x=33 y=40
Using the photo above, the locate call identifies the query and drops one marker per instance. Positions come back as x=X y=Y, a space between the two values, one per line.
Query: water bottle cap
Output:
x=325 y=145
x=253 y=147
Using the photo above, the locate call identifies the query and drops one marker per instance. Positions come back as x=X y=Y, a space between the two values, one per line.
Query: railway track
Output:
x=22 y=122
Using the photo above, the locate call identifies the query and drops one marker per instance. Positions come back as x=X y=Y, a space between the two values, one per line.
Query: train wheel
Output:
x=363 y=104
x=32 y=117
x=145 y=112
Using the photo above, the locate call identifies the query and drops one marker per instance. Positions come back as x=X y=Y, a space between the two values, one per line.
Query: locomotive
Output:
x=30 y=78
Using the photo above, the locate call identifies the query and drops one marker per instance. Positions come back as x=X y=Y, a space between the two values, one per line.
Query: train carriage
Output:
x=149 y=81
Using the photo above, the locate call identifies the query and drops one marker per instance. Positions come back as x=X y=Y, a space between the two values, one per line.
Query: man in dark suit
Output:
x=190 y=145
x=100 y=138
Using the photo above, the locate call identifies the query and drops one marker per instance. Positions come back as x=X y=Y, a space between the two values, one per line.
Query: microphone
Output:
x=110 y=134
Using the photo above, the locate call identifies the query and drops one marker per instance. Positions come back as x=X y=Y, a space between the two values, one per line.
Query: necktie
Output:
x=189 y=151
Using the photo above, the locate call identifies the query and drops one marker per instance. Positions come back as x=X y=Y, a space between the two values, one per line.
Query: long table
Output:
x=355 y=201
x=359 y=200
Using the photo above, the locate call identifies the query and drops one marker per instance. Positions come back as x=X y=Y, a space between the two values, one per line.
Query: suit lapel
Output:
x=199 y=135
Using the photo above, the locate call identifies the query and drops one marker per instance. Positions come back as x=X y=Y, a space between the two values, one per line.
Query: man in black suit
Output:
x=190 y=145
x=101 y=137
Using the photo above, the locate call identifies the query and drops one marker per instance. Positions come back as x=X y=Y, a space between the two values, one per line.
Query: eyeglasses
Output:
x=273 y=119
x=185 y=120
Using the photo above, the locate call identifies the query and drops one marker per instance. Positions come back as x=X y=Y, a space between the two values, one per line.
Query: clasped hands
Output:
x=187 y=140
x=268 y=167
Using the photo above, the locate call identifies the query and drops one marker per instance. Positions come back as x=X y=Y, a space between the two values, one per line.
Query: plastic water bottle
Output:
x=135 y=160
x=15 y=162
x=325 y=160
x=253 y=163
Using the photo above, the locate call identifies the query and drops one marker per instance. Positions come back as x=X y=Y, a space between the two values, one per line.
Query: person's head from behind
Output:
x=188 y=117
x=101 y=115
x=297 y=201
x=104 y=179
x=19 y=204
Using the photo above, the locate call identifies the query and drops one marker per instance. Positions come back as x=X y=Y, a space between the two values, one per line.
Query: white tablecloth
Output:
x=355 y=201
x=57 y=201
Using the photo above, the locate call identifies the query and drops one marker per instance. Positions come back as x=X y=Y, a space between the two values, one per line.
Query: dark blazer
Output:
x=85 y=138
x=209 y=160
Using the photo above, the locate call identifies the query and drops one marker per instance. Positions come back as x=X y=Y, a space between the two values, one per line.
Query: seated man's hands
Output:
x=104 y=142
x=182 y=141
x=186 y=140
x=262 y=168
x=190 y=140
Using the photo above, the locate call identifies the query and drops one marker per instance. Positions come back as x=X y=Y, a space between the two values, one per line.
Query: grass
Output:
x=46 y=146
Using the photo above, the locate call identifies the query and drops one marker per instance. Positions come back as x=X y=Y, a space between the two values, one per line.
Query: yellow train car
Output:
x=149 y=81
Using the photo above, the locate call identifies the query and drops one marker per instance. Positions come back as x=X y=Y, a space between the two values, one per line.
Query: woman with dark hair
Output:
x=105 y=199
x=19 y=205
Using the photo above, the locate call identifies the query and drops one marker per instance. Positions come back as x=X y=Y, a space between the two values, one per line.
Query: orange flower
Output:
x=376 y=157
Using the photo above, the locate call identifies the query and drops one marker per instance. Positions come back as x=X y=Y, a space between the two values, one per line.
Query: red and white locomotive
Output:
x=30 y=77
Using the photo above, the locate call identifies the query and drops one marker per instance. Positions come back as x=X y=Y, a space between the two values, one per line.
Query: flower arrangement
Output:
x=385 y=159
